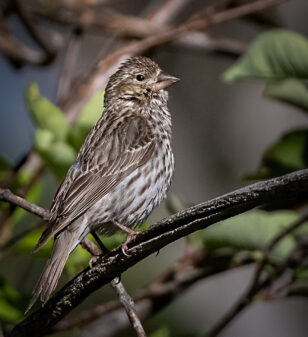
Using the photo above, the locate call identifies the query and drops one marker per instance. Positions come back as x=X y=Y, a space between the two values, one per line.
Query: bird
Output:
x=123 y=169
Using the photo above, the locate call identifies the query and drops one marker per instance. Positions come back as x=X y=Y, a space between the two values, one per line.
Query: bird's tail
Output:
x=64 y=243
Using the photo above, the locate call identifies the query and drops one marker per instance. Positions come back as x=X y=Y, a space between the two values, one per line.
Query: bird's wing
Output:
x=98 y=170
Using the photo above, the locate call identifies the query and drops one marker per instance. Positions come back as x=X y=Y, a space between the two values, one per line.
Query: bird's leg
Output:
x=131 y=234
x=102 y=247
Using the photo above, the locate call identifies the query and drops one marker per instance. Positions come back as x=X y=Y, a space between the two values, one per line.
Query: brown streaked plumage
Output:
x=123 y=169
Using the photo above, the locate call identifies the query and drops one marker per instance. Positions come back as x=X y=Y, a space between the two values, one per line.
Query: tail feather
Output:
x=64 y=243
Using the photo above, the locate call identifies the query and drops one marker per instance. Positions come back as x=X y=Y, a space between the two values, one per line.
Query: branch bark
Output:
x=155 y=238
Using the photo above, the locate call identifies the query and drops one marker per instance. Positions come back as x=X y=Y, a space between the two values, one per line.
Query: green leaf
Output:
x=86 y=120
x=274 y=54
x=252 y=231
x=291 y=91
x=46 y=115
x=288 y=154
x=57 y=155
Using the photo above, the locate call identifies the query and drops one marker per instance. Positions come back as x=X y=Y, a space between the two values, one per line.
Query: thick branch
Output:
x=155 y=238
x=164 y=289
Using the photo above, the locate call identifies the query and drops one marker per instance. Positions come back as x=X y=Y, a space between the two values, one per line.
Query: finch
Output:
x=123 y=169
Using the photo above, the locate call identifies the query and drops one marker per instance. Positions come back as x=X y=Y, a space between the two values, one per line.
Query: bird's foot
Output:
x=124 y=247
x=93 y=260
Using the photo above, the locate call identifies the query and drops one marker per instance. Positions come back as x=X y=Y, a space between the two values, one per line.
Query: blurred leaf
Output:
x=301 y=273
x=57 y=155
x=46 y=115
x=161 y=332
x=26 y=245
x=10 y=304
x=88 y=117
x=291 y=91
x=111 y=242
x=274 y=54
x=288 y=154
x=78 y=260
x=253 y=230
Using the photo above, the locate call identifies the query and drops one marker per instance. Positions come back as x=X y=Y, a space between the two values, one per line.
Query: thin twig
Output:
x=156 y=237
x=7 y=195
x=256 y=284
x=117 y=285
x=28 y=21
x=85 y=86
x=129 y=306
x=69 y=63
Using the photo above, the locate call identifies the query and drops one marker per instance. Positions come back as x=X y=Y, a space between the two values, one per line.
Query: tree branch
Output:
x=165 y=288
x=7 y=195
x=129 y=306
x=155 y=238
x=97 y=78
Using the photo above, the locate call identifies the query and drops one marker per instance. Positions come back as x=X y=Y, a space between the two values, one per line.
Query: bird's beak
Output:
x=164 y=81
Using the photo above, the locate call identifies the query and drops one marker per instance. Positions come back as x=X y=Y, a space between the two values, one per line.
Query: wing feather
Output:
x=91 y=183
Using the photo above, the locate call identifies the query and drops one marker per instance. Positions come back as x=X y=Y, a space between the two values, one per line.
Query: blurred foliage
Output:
x=55 y=140
x=88 y=117
x=275 y=54
x=26 y=244
x=45 y=114
x=281 y=58
x=161 y=332
x=290 y=90
x=253 y=231
x=11 y=304
x=287 y=154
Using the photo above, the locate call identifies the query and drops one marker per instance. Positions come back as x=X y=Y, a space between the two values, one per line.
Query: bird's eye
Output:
x=140 y=77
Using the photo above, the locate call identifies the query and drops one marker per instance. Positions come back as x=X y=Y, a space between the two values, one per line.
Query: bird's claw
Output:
x=124 y=246
x=93 y=260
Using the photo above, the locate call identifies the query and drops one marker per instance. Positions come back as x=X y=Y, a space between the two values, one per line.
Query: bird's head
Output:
x=138 y=79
